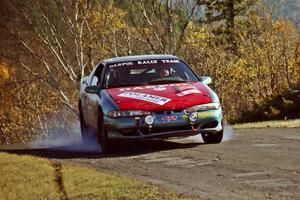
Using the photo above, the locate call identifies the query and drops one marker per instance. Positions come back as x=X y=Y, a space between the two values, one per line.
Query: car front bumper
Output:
x=168 y=124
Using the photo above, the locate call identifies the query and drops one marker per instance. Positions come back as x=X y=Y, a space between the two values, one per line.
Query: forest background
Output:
x=250 y=48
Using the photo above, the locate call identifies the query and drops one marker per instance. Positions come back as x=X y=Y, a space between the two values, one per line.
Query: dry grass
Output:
x=27 y=177
x=270 y=124
x=24 y=177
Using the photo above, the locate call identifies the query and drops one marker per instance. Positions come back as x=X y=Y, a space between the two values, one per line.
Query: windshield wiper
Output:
x=158 y=81
x=130 y=84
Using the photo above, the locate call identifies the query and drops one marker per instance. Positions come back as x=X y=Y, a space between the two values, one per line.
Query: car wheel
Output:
x=84 y=129
x=105 y=144
x=212 y=138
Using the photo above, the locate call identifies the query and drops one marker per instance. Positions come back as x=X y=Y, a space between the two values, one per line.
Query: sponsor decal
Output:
x=154 y=87
x=185 y=87
x=201 y=115
x=121 y=64
x=159 y=88
x=205 y=114
x=146 y=97
x=142 y=62
x=169 y=118
x=170 y=61
x=186 y=92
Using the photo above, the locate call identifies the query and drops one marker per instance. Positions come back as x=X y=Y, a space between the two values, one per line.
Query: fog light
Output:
x=149 y=120
x=193 y=117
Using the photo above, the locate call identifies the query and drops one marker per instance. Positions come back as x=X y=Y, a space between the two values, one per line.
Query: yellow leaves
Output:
x=197 y=37
x=106 y=24
x=273 y=112
x=4 y=73
x=200 y=35
x=283 y=26
x=146 y=30
x=108 y=20
x=279 y=26
x=190 y=25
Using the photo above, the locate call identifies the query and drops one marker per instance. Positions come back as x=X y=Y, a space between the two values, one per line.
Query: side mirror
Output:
x=92 y=89
x=206 y=80
x=84 y=80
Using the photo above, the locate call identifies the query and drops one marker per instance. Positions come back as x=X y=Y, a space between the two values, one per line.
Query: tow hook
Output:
x=193 y=129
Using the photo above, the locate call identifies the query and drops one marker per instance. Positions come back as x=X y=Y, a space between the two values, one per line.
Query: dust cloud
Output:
x=228 y=132
x=228 y=135
x=59 y=140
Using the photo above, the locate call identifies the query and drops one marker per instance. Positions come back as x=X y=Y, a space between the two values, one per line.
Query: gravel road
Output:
x=254 y=164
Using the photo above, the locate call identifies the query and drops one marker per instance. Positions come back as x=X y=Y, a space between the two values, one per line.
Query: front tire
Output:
x=103 y=141
x=212 y=138
x=84 y=129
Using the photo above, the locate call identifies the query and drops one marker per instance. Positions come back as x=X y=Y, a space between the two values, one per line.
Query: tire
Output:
x=85 y=138
x=103 y=141
x=213 y=138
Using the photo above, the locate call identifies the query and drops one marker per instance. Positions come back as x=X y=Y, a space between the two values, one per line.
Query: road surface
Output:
x=254 y=164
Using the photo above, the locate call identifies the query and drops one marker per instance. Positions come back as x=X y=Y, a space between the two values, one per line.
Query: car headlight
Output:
x=127 y=113
x=204 y=107
x=193 y=117
x=149 y=120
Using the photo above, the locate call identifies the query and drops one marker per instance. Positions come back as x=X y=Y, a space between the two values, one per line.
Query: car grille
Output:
x=212 y=124
x=147 y=131
x=129 y=132
x=167 y=112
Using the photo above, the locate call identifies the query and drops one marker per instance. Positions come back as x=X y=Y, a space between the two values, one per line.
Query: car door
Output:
x=94 y=99
x=84 y=101
x=83 y=96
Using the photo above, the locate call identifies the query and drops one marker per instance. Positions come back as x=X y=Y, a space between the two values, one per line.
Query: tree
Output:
x=58 y=42
x=225 y=13
x=160 y=26
x=66 y=32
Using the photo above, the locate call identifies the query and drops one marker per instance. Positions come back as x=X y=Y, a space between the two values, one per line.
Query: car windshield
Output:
x=147 y=72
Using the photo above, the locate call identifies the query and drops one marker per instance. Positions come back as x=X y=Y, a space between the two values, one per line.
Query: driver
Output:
x=163 y=71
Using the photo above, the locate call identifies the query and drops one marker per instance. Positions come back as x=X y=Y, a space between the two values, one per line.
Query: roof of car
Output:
x=139 y=57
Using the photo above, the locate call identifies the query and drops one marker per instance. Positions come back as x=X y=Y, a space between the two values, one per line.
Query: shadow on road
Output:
x=74 y=151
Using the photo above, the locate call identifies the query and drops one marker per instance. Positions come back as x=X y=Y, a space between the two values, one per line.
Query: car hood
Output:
x=175 y=96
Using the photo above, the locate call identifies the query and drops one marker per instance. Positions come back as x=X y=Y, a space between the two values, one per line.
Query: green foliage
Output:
x=279 y=107
x=223 y=14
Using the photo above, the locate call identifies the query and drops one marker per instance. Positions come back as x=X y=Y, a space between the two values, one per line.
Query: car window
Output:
x=94 y=81
x=96 y=75
x=147 y=72
x=137 y=71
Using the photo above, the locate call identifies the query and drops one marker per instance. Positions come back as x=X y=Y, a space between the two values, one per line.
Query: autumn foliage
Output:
x=48 y=46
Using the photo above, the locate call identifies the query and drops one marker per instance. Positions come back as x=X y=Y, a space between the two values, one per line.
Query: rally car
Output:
x=147 y=96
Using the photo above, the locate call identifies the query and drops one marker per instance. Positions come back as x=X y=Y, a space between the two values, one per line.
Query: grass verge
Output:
x=27 y=177
x=270 y=124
